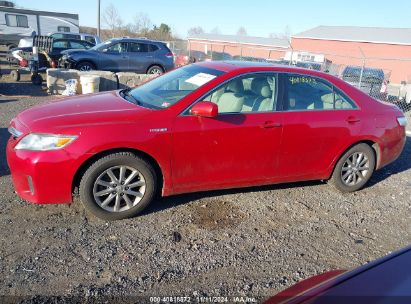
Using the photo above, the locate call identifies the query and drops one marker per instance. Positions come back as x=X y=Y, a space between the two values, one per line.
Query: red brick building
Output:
x=245 y=46
x=385 y=48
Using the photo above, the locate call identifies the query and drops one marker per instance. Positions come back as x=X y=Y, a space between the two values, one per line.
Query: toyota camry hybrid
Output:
x=210 y=125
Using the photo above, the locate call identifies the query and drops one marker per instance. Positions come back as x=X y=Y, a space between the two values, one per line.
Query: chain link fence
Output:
x=367 y=74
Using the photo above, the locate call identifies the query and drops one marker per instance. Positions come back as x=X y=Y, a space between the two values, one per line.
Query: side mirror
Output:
x=205 y=109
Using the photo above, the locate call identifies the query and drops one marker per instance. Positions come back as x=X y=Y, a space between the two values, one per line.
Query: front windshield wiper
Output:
x=128 y=96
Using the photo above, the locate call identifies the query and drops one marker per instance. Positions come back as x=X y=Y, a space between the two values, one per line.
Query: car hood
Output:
x=77 y=52
x=70 y=113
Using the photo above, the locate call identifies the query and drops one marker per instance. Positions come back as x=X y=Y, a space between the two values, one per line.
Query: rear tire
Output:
x=354 y=169
x=109 y=191
x=155 y=70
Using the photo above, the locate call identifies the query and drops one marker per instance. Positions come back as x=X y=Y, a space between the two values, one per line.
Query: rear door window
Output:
x=138 y=47
x=307 y=93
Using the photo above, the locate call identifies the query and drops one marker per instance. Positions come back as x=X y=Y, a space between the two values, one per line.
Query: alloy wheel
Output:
x=156 y=71
x=119 y=188
x=355 y=169
x=85 y=68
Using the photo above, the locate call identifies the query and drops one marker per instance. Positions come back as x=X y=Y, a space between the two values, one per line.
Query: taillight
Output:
x=169 y=55
x=23 y=63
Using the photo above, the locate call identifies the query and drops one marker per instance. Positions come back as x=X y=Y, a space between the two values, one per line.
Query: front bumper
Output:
x=66 y=63
x=42 y=177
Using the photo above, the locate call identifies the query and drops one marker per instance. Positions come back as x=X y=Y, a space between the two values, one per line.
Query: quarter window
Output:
x=17 y=20
x=252 y=93
x=153 y=48
x=311 y=93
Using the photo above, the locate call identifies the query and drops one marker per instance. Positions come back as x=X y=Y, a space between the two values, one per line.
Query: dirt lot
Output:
x=251 y=242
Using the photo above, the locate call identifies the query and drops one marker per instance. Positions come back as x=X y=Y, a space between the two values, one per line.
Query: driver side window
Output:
x=247 y=94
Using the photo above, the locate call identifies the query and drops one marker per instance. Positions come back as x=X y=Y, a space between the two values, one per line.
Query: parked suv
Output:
x=125 y=54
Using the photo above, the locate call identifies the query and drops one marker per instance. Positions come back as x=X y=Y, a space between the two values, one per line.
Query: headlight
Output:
x=402 y=121
x=44 y=142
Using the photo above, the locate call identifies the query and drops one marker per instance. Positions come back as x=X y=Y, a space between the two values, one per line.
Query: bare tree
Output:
x=216 y=31
x=142 y=24
x=242 y=31
x=112 y=19
x=285 y=34
x=198 y=30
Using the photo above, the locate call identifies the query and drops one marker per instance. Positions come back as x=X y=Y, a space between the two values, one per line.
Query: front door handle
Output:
x=352 y=119
x=271 y=124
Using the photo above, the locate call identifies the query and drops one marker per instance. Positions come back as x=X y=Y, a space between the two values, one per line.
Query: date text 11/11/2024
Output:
x=203 y=299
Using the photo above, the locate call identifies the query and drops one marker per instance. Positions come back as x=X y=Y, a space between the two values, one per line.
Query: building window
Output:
x=64 y=29
x=17 y=20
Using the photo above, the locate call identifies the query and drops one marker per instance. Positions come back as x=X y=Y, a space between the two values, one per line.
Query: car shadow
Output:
x=10 y=90
x=4 y=137
x=6 y=100
x=402 y=164
x=181 y=199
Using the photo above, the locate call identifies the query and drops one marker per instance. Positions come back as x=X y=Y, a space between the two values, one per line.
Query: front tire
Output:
x=85 y=66
x=118 y=186
x=354 y=169
x=36 y=79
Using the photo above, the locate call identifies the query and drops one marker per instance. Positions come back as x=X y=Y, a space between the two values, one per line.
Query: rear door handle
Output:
x=271 y=124
x=352 y=119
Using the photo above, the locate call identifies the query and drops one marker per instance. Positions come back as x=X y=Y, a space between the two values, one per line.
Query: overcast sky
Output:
x=259 y=17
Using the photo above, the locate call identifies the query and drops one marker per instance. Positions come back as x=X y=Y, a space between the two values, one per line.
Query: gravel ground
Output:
x=246 y=242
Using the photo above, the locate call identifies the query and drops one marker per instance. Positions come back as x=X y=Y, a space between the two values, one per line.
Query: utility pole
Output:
x=98 y=17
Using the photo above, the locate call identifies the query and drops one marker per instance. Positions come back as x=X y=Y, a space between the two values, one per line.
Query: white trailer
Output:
x=17 y=23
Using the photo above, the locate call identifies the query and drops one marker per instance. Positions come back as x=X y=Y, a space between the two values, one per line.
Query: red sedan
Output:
x=211 y=125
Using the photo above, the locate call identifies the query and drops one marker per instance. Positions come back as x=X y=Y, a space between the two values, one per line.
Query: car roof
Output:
x=126 y=39
x=72 y=40
x=70 y=33
x=234 y=65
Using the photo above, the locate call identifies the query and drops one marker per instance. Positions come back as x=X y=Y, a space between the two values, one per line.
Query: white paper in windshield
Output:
x=200 y=79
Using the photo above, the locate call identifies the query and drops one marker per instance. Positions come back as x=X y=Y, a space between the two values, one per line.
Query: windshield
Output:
x=101 y=46
x=170 y=88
